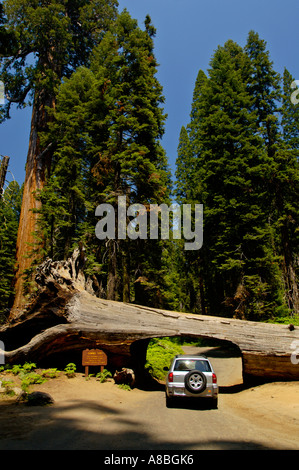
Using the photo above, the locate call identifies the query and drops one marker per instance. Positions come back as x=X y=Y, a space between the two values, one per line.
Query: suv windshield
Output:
x=191 y=364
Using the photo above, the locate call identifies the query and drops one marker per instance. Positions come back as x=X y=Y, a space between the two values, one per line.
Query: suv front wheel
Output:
x=195 y=381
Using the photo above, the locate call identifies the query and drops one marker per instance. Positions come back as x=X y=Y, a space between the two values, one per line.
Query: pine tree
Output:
x=264 y=87
x=289 y=114
x=187 y=172
x=135 y=124
x=10 y=206
x=285 y=182
x=236 y=261
x=184 y=167
x=66 y=196
x=107 y=127
x=282 y=148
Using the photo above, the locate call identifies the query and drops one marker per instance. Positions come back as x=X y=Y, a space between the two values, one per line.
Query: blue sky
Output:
x=188 y=33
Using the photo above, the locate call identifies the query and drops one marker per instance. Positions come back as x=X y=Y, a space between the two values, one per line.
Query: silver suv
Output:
x=191 y=376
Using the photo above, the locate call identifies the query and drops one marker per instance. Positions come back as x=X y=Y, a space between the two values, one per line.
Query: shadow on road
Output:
x=64 y=428
x=231 y=389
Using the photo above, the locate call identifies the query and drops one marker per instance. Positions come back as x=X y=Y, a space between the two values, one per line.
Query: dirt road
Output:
x=88 y=415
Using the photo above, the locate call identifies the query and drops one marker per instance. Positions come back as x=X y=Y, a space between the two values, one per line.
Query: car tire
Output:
x=195 y=381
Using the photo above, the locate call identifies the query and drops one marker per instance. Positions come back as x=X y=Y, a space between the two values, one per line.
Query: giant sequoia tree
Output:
x=50 y=40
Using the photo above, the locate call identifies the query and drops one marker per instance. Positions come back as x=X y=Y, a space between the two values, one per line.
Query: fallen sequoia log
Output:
x=66 y=317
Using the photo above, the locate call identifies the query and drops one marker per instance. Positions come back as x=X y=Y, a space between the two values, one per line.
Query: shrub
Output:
x=103 y=376
x=50 y=373
x=125 y=387
x=16 y=369
x=30 y=379
x=7 y=385
x=27 y=367
x=286 y=320
x=160 y=353
x=70 y=370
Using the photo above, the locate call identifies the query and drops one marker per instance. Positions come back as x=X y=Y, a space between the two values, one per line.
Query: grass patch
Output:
x=287 y=320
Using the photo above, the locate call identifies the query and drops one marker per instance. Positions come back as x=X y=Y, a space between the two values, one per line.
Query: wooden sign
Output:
x=93 y=357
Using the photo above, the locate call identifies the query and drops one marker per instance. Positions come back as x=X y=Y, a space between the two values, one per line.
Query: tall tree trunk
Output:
x=113 y=278
x=126 y=273
x=3 y=172
x=37 y=167
x=289 y=273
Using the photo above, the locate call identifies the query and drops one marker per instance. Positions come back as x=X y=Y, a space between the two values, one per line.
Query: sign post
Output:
x=93 y=357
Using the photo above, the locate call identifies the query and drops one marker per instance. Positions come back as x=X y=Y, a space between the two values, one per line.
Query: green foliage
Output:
x=103 y=376
x=8 y=386
x=107 y=127
x=50 y=373
x=160 y=353
x=31 y=378
x=7 y=39
x=49 y=40
x=23 y=369
x=285 y=319
x=70 y=370
x=29 y=366
x=16 y=369
x=238 y=156
x=89 y=376
x=10 y=206
x=234 y=160
x=125 y=387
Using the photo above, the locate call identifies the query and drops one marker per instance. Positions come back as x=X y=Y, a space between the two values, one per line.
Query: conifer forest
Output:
x=89 y=72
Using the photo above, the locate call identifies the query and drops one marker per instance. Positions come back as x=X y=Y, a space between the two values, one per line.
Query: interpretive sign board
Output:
x=93 y=357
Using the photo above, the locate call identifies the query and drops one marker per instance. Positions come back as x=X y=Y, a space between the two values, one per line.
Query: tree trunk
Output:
x=112 y=280
x=292 y=289
x=126 y=273
x=289 y=272
x=3 y=172
x=37 y=168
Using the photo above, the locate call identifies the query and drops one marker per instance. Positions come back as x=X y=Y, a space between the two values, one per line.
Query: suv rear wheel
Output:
x=195 y=381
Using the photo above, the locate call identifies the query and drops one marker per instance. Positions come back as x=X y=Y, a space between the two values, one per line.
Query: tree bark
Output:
x=3 y=172
x=113 y=276
x=37 y=169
